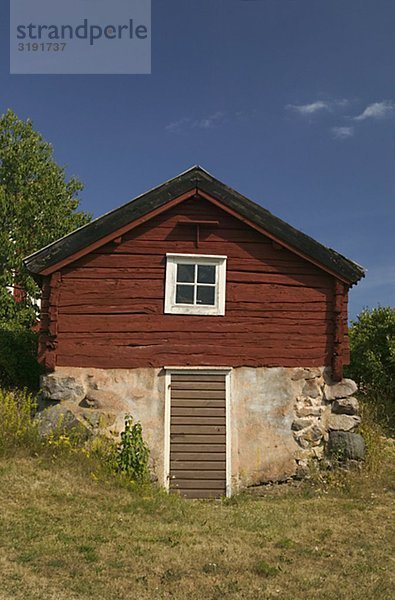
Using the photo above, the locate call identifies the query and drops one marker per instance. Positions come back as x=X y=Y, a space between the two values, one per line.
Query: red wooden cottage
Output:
x=219 y=326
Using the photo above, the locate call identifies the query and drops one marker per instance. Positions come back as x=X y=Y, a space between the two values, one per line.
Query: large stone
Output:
x=314 y=434
x=97 y=419
x=60 y=419
x=309 y=411
x=343 y=422
x=346 y=445
x=105 y=400
x=318 y=452
x=345 y=406
x=342 y=389
x=301 y=441
x=302 y=454
x=305 y=373
x=299 y=424
x=302 y=471
x=298 y=374
x=56 y=388
x=313 y=372
x=311 y=389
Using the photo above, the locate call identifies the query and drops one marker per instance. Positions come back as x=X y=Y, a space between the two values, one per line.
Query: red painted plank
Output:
x=161 y=359
x=178 y=323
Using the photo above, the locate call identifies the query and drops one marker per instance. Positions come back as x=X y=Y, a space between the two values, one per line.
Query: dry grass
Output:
x=65 y=534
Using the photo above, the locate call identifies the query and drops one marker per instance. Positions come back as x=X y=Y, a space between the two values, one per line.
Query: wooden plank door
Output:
x=198 y=435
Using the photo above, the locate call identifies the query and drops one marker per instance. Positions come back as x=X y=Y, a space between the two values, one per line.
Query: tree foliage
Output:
x=37 y=206
x=372 y=365
x=18 y=358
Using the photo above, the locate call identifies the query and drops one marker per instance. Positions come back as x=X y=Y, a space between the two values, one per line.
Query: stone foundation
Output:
x=322 y=406
x=281 y=418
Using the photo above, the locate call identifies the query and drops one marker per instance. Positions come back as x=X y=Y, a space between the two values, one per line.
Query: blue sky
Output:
x=291 y=102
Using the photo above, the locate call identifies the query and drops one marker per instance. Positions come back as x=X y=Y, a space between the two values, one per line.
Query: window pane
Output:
x=186 y=273
x=206 y=295
x=206 y=274
x=184 y=294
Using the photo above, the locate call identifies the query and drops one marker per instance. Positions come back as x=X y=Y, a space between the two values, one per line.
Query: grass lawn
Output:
x=65 y=534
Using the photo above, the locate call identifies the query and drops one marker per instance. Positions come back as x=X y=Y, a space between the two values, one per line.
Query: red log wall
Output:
x=106 y=309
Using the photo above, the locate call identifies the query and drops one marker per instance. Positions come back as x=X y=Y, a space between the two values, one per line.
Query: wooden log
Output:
x=337 y=362
x=238 y=270
x=97 y=343
x=107 y=306
x=194 y=360
x=98 y=273
x=180 y=323
x=274 y=293
x=129 y=356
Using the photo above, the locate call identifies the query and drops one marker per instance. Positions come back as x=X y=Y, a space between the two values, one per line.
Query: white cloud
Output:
x=342 y=133
x=309 y=109
x=342 y=102
x=210 y=121
x=377 y=110
x=176 y=126
x=207 y=122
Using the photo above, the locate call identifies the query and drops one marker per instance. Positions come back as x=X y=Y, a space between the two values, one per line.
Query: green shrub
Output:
x=17 y=428
x=18 y=358
x=372 y=433
x=265 y=570
x=19 y=432
x=372 y=364
x=132 y=453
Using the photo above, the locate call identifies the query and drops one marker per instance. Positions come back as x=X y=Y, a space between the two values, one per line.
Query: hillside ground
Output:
x=68 y=532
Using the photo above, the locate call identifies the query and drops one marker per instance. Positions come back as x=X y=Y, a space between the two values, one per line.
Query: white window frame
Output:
x=172 y=260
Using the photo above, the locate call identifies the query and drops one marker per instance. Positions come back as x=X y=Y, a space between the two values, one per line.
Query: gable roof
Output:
x=198 y=180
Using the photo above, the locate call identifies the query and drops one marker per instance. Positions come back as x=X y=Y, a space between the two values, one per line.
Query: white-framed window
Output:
x=195 y=284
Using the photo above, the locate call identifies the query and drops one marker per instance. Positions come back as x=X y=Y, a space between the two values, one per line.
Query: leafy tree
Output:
x=372 y=365
x=18 y=358
x=37 y=206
